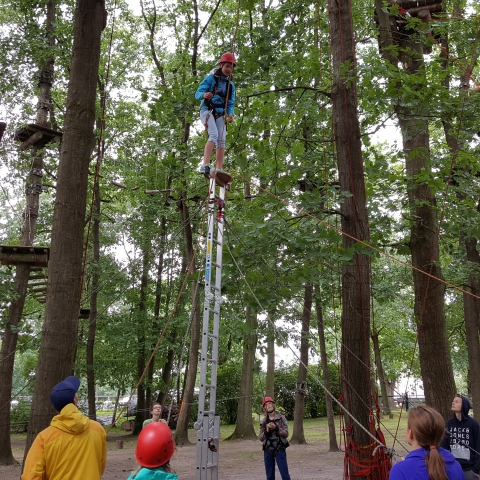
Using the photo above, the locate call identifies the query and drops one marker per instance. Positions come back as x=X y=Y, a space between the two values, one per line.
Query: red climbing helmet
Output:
x=155 y=445
x=228 y=57
x=267 y=399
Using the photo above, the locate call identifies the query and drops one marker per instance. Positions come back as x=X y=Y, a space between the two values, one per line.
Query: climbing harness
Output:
x=213 y=106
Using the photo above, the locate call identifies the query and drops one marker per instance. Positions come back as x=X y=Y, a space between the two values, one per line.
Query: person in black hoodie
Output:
x=462 y=438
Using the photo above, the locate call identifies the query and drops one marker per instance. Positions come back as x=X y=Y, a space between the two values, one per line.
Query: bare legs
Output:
x=207 y=153
x=219 y=158
x=219 y=155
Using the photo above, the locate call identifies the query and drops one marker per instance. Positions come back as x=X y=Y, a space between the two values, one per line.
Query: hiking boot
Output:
x=205 y=168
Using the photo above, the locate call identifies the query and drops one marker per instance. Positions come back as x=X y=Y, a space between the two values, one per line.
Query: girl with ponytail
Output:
x=427 y=461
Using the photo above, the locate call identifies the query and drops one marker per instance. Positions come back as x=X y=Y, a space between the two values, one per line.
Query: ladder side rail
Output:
x=218 y=303
x=207 y=302
x=202 y=449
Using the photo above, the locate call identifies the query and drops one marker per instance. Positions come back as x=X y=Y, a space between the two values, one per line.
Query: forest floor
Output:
x=238 y=459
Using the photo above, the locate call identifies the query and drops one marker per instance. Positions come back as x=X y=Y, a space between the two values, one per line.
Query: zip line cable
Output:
x=326 y=328
x=454 y=152
x=272 y=324
x=338 y=230
x=190 y=269
x=107 y=306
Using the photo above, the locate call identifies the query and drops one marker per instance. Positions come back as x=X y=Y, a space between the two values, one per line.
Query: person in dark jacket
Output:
x=273 y=434
x=426 y=461
x=462 y=438
x=217 y=93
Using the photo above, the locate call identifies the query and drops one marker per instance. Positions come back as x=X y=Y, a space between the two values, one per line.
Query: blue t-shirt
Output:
x=415 y=468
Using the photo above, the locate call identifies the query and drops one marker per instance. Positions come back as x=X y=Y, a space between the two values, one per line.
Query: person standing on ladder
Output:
x=217 y=93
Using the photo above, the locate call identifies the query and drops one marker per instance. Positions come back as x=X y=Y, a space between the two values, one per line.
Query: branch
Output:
x=208 y=21
x=287 y=89
x=379 y=126
x=151 y=29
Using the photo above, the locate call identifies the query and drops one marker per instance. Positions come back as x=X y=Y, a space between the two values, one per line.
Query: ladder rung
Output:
x=211 y=335
x=217 y=242
x=213 y=287
x=210 y=386
x=216 y=265
x=211 y=360
x=214 y=311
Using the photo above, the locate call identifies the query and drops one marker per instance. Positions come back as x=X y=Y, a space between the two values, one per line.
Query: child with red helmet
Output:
x=155 y=447
x=217 y=93
x=273 y=434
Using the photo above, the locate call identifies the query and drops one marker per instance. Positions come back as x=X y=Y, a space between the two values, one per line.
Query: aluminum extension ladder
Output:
x=208 y=422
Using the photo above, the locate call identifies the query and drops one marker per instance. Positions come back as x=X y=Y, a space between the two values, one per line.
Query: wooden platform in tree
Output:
x=37 y=135
x=423 y=9
x=11 y=255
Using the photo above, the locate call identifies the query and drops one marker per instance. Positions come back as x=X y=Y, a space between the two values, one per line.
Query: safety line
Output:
x=339 y=231
x=177 y=301
x=380 y=444
x=99 y=151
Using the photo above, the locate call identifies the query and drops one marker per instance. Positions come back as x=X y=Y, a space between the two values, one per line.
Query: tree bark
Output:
x=435 y=360
x=381 y=373
x=471 y=305
x=298 y=435
x=332 y=436
x=244 y=427
x=92 y=324
x=65 y=266
x=141 y=408
x=270 y=380
x=181 y=432
x=354 y=221
x=22 y=270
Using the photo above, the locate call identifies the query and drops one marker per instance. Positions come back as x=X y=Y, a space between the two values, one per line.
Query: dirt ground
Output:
x=238 y=460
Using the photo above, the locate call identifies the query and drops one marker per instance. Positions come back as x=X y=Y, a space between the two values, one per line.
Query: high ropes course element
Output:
x=208 y=422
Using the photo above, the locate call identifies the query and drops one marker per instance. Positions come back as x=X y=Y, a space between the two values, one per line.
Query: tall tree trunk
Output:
x=156 y=314
x=141 y=338
x=435 y=360
x=270 y=380
x=244 y=427
x=355 y=275
x=59 y=330
x=298 y=435
x=381 y=373
x=471 y=305
x=332 y=436
x=167 y=371
x=92 y=324
x=181 y=432
x=22 y=270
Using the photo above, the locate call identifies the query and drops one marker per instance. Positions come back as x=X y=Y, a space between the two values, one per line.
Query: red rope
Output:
x=366 y=461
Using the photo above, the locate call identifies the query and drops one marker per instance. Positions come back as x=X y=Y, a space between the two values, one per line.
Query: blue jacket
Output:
x=461 y=437
x=415 y=468
x=208 y=85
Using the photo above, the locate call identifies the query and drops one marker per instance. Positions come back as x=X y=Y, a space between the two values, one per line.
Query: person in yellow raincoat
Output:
x=73 y=447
